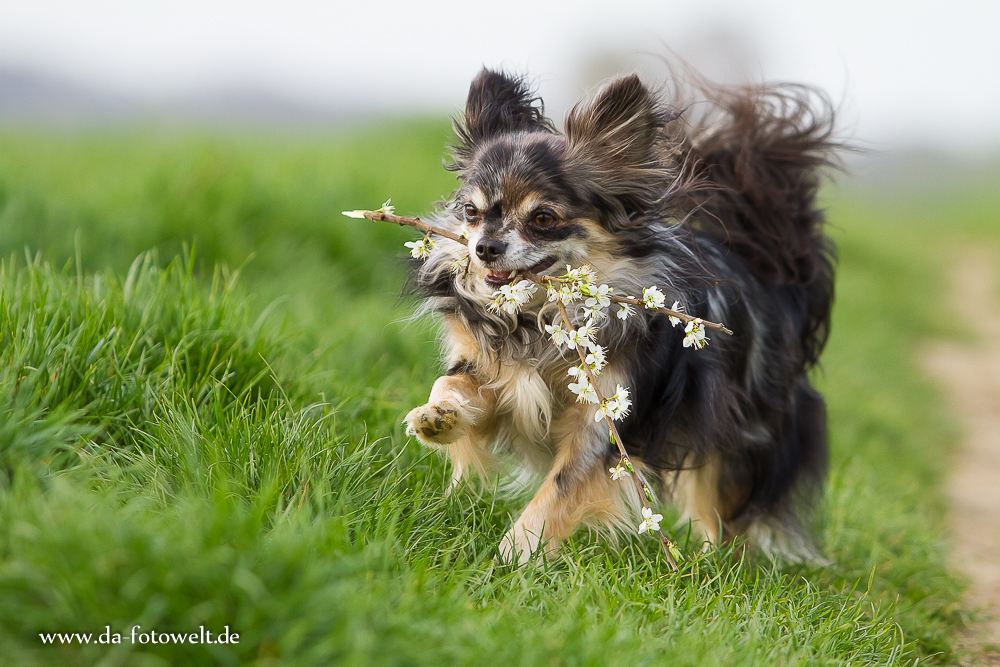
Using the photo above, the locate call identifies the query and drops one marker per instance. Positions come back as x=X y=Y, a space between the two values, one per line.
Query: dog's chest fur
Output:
x=534 y=407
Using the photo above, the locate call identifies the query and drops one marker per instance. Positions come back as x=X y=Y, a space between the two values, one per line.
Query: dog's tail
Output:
x=758 y=153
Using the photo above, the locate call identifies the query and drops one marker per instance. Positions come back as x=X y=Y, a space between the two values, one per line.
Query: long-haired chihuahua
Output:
x=719 y=212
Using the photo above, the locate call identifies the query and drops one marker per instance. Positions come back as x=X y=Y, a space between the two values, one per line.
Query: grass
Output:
x=183 y=443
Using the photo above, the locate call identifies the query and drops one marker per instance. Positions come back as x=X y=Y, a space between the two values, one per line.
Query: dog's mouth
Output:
x=497 y=278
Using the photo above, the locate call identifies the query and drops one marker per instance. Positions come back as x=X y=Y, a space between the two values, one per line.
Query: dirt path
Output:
x=971 y=375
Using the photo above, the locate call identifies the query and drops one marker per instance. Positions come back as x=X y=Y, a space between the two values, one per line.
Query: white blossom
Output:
x=598 y=300
x=500 y=304
x=600 y=296
x=585 y=392
x=521 y=292
x=618 y=472
x=558 y=335
x=624 y=310
x=597 y=359
x=510 y=298
x=619 y=404
x=459 y=265
x=588 y=394
x=652 y=298
x=615 y=407
x=421 y=249
x=386 y=208
x=592 y=313
x=583 y=336
x=694 y=334
x=569 y=293
x=577 y=283
x=677 y=307
x=650 y=522
x=584 y=276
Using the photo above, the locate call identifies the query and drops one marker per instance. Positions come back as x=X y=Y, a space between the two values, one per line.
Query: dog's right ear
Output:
x=620 y=125
x=498 y=103
x=615 y=139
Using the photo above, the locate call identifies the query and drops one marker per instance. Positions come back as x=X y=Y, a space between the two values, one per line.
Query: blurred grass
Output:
x=198 y=438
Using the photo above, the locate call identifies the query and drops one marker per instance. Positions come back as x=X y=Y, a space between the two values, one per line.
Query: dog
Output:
x=719 y=212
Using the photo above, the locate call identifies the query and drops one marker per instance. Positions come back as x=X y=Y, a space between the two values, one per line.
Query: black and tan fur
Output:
x=720 y=214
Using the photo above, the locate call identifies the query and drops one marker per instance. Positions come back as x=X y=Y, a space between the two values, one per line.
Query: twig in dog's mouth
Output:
x=382 y=216
x=497 y=278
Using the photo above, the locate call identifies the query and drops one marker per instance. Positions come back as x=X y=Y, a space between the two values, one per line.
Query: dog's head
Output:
x=532 y=198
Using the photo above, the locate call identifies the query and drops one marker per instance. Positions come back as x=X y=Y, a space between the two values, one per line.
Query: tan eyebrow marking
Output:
x=528 y=205
x=478 y=199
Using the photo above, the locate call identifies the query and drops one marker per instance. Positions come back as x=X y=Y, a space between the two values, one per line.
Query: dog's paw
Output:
x=518 y=545
x=438 y=423
x=515 y=548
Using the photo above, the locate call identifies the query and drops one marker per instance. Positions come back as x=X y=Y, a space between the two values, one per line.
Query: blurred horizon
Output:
x=909 y=79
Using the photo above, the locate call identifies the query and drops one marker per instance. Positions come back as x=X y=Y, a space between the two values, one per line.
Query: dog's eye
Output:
x=544 y=219
x=471 y=211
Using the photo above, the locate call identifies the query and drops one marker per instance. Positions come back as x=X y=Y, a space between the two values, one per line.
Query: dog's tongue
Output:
x=499 y=275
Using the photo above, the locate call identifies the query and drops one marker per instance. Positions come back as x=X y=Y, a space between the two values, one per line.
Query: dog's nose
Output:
x=489 y=250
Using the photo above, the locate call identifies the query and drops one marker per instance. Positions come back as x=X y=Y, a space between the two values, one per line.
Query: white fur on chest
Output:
x=524 y=412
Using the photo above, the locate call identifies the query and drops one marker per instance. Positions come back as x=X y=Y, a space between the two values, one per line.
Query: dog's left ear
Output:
x=620 y=125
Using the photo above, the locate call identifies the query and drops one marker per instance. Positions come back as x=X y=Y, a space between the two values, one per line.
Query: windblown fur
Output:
x=720 y=214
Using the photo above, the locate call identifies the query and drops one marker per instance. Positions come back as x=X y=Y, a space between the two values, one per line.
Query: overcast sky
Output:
x=907 y=72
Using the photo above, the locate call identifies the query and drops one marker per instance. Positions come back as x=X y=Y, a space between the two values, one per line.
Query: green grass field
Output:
x=203 y=368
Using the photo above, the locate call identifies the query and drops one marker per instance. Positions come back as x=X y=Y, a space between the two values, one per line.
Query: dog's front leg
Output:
x=576 y=488
x=458 y=401
x=458 y=417
x=455 y=406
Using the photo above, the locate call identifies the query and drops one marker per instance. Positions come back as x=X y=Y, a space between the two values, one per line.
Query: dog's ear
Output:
x=620 y=125
x=498 y=103
x=615 y=141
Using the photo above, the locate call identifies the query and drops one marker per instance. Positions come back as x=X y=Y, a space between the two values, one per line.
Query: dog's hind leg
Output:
x=696 y=492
